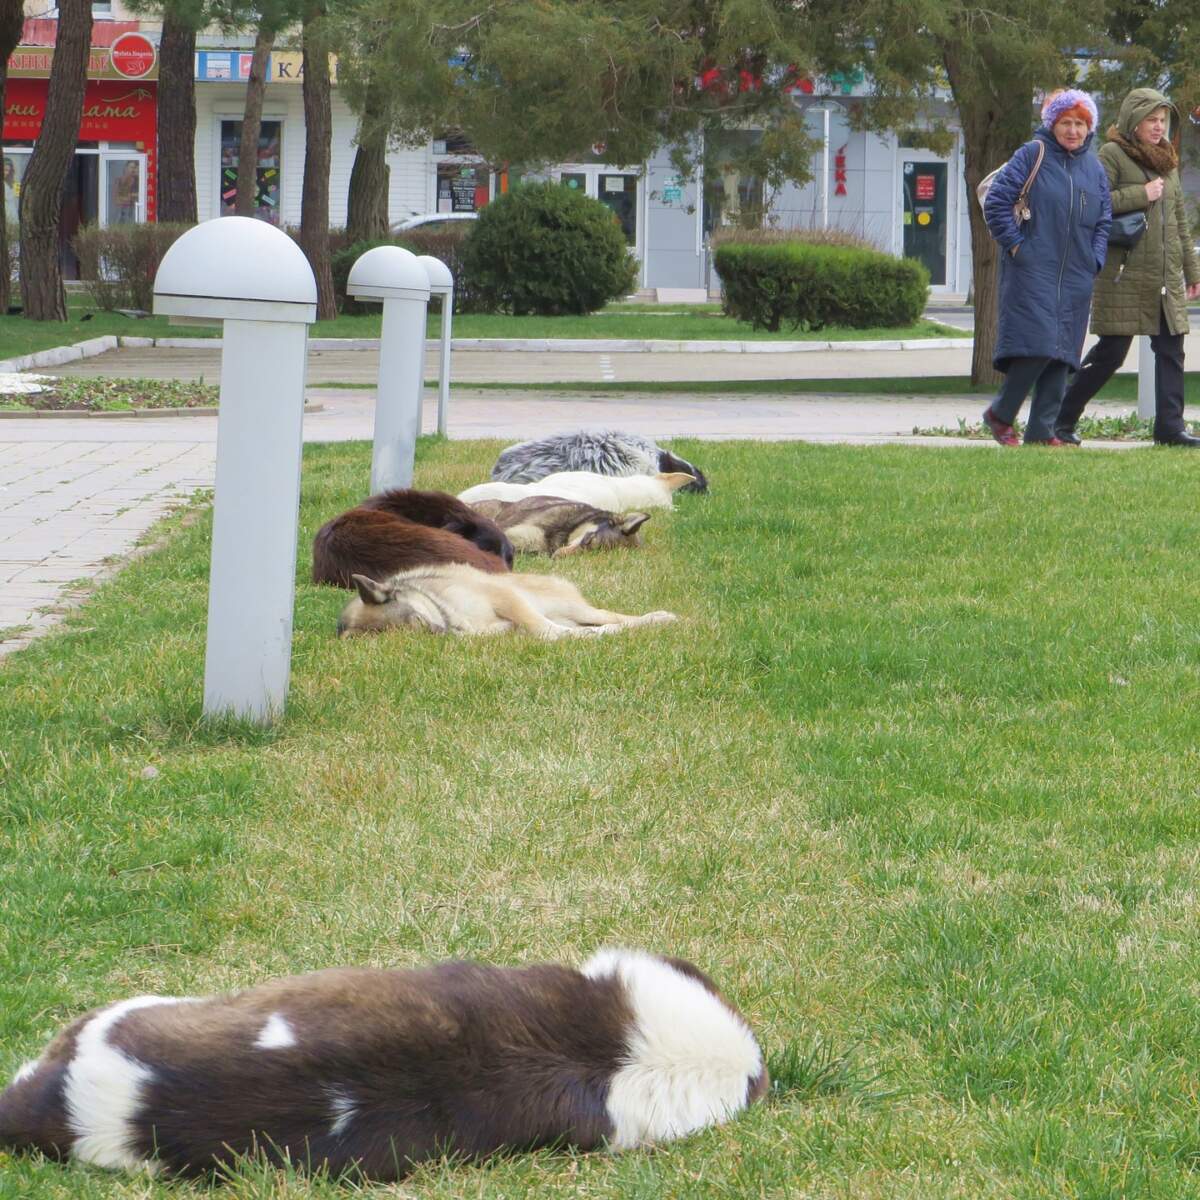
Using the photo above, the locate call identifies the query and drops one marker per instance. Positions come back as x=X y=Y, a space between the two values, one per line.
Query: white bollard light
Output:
x=394 y=276
x=1146 y=369
x=256 y=280
x=441 y=283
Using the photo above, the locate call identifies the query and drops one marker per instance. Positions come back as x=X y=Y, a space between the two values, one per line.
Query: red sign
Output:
x=926 y=187
x=133 y=55
x=113 y=111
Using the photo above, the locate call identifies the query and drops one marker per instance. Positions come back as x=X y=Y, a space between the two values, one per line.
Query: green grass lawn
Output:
x=19 y=336
x=915 y=777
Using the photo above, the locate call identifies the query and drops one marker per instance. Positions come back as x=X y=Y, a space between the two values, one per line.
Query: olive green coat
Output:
x=1127 y=301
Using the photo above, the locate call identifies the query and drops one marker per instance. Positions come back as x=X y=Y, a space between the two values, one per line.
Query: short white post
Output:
x=393 y=275
x=1146 y=367
x=441 y=283
x=256 y=280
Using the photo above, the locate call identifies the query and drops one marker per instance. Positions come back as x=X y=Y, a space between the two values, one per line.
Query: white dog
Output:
x=613 y=493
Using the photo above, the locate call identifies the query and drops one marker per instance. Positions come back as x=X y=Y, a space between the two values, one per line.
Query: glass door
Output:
x=925 y=212
x=617 y=190
x=122 y=189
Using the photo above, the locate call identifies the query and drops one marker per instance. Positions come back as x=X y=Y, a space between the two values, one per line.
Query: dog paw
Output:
x=659 y=618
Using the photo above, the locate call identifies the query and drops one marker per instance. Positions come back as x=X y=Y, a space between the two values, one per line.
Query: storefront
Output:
x=112 y=179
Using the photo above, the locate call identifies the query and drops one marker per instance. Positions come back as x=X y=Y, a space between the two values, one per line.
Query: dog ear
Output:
x=676 y=479
x=369 y=591
x=632 y=522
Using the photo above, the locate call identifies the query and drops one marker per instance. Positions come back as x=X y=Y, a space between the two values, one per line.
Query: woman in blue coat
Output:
x=1049 y=264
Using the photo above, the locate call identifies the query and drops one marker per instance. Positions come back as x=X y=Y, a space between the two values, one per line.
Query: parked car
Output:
x=433 y=221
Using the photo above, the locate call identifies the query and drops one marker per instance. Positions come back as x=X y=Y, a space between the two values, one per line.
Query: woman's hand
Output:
x=1193 y=290
x=1154 y=189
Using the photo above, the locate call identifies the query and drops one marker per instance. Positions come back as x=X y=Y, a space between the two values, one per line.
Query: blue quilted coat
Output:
x=1046 y=288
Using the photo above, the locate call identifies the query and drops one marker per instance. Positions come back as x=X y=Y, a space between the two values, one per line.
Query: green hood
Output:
x=1138 y=105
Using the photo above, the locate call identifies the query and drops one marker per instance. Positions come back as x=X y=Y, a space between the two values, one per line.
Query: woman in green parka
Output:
x=1143 y=289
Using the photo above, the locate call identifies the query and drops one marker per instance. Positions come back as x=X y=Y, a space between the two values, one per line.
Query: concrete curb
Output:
x=592 y=345
x=60 y=414
x=59 y=355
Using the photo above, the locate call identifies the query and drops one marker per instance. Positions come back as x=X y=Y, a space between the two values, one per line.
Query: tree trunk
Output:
x=367 y=200
x=256 y=85
x=318 y=137
x=176 y=119
x=42 y=189
x=993 y=127
x=12 y=18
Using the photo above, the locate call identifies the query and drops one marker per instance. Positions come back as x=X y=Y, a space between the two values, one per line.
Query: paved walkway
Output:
x=76 y=494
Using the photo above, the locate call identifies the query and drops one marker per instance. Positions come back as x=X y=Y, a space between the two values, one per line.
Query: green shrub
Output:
x=119 y=263
x=545 y=249
x=811 y=286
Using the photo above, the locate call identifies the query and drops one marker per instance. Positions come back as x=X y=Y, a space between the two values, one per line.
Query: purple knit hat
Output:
x=1058 y=103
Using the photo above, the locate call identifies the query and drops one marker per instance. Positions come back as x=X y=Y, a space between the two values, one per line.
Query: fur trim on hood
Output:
x=1160 y=159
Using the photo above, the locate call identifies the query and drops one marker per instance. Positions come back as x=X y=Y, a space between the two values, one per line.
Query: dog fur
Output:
x=456 y=598
x=611 y=493
x=404 y=528
x=548 y=525
x=368 y=1072
x=605 y=451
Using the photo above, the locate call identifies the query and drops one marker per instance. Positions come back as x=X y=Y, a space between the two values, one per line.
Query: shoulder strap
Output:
x=1041 y=153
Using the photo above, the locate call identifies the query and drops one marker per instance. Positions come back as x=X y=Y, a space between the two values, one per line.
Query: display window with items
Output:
x=268 y=169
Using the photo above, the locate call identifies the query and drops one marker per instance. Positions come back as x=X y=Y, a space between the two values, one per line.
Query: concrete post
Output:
x=256 y=280
x=441 y=283
x=393 y=275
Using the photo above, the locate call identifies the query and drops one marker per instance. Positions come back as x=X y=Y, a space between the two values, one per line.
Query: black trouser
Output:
x=1047 y=377
x=1101 y=364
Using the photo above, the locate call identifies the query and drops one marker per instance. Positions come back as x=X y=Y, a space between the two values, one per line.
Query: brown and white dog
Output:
x=373 y=1071
x=549 y=525
x=403 y=528
x=456 y=598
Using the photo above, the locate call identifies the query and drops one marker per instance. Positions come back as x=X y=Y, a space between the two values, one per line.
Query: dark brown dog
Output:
x=373 y=1071
x=405 y=528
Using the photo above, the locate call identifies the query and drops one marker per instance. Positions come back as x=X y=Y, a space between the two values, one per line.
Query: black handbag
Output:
x=1127 y=229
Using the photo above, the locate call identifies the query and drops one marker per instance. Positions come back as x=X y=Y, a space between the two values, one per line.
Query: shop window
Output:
x=268 y=196
x=14 y=174
x=733 y=192
x=462 y=187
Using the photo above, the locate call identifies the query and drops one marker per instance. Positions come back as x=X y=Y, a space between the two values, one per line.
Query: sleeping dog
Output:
x=456 y=598
x=369 y=1072
x=605 y=451
x=406 y=528
x=548 y=525
x=612 y=493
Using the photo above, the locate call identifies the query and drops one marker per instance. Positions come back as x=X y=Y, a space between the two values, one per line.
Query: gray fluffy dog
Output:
x=605 y=451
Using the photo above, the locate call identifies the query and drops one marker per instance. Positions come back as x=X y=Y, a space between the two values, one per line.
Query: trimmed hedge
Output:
x=119 y=263
x=546 y=249
x=446 y=244
x=811 y=286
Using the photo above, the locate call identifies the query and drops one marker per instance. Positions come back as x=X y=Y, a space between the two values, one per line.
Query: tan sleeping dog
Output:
x=456 y=598
x=549 y=525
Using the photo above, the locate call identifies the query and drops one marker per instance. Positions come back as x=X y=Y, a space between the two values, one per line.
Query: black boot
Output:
x=1180 y=439
x=1066 y=433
